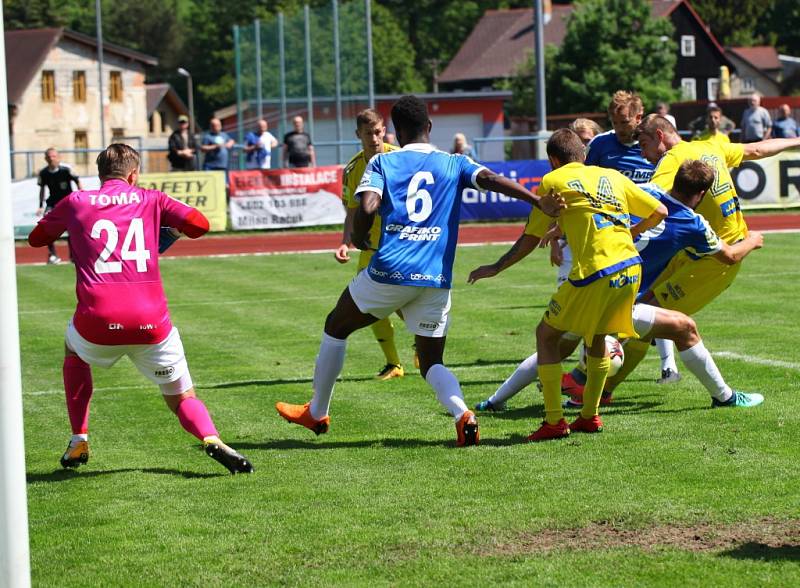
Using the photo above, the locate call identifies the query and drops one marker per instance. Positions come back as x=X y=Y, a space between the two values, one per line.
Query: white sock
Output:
x=448 y=390
x=328 y=367
x=525 y=374
x=79 y=437
x=667 y=352
x=699 y=361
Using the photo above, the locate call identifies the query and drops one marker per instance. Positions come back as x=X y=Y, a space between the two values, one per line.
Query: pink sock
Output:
x=78 y=391
x=194 y=417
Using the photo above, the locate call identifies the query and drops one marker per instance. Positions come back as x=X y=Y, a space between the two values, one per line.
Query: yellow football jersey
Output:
x=720 y=206
x=596 y=220
x=352 y=176
x=718 y=137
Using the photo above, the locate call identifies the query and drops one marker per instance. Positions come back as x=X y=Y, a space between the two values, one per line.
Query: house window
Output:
x=48 y=86
x=689 y=88
x=81 y=142
x=687 y=45
x=151 y=124
x=748 y=85
x=117 y=135
x=713 y=88
x=163 y=122
x=115 y=86
x=79 y=86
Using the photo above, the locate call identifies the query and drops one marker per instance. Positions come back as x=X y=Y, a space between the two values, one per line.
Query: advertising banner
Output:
x=203 y=190
x=280 y=198
x=493 y=206
x=769 y=183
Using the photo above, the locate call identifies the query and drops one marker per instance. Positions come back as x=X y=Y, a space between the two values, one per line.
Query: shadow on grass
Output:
x=763 y=552
x=63 y=475
x=389 y=443
x=522 y=307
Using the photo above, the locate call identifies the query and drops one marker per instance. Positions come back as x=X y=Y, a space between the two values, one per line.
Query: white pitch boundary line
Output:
x=461 y=369
x=318 y=251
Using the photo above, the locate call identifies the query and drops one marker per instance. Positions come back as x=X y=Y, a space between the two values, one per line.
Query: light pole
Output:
x=190 y=92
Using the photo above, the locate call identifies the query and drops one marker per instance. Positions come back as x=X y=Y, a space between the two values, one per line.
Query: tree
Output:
x=612 y=45
x=735 y=22
x=780 y=26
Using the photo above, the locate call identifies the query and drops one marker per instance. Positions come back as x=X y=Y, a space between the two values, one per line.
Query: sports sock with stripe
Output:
x=698 y=360
x=525 y=374
x=330 y=361
x=550 y=377
x=78 y=391
x=447 y=388
x=596 y=373
x=384 y=335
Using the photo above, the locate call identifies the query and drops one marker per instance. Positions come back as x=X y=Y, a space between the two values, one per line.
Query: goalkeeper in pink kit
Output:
x=122 y=309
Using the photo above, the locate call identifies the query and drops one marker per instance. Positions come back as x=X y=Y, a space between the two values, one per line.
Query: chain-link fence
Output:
x=313 y=63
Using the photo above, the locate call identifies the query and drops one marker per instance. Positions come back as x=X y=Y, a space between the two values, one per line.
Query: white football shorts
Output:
x=426 y=311
x=162 y=363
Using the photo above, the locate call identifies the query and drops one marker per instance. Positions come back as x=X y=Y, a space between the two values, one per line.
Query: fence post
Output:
x=309 y=87
x=338 y=71
x=239 y=122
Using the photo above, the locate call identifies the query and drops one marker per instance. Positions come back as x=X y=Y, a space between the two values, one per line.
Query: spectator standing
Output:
x=298 y=151
x=756 y=123
x=216 y=146
x=58 y=179
x=712 y=131
x=662 y=109
x=699 y=124
x=258 y=147
x=784 y=127
x=586 y=129
x=182 y=147
x=460 y=145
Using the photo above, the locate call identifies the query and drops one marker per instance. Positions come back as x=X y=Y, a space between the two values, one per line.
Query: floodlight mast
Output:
x=15 y=571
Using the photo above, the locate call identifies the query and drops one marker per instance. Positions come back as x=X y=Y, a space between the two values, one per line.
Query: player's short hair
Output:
x=410 y=114
x=585 y=124
x=652 y=122
x=49 y=149
x=368 y=117
x=566 y=146
x=622 y=99
x=117 y=161
x=693 y=177
x=714 y=108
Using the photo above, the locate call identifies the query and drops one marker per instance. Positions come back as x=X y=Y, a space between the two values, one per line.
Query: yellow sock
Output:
x=635 y=350
x=384 y=334
x=596 y=372
x=550 y=377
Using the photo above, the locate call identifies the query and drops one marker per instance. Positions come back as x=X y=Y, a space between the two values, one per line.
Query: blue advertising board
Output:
x=493 y=206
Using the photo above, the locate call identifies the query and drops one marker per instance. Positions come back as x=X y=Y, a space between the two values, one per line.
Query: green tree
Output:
x=780 y=26
x=612 y=45
x=735 y=22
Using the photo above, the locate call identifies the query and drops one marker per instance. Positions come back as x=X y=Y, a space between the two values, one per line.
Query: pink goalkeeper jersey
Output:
x=113 y=238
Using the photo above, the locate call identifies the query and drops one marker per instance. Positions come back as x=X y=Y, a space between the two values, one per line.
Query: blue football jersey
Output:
x=420 y=190
x=682 y=229
x=605 y=150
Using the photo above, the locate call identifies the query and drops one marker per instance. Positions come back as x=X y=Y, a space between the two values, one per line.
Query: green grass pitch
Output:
x=672 y=493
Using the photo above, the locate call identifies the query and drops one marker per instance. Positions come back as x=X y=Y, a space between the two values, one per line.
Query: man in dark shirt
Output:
x=182 y=147
x=57 y=178
x=297 y=148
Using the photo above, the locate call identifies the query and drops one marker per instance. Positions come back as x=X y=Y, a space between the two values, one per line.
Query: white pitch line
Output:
x=757 y=360
x=460 y=369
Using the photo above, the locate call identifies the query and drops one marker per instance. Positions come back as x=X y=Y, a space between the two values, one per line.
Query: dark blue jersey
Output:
x=605 y=150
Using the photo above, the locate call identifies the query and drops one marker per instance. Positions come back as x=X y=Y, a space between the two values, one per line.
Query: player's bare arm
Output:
x=732 y=254
x=518 y=251
x=769 y=147
x=651 y=221
x=341 y=254
x=551 y=204
x=364 y=217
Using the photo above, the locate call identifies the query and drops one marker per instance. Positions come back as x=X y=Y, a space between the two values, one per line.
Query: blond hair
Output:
x=622 y=99
x=585 y=124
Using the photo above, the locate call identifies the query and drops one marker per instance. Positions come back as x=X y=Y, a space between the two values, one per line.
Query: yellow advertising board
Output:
x=205 y=190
